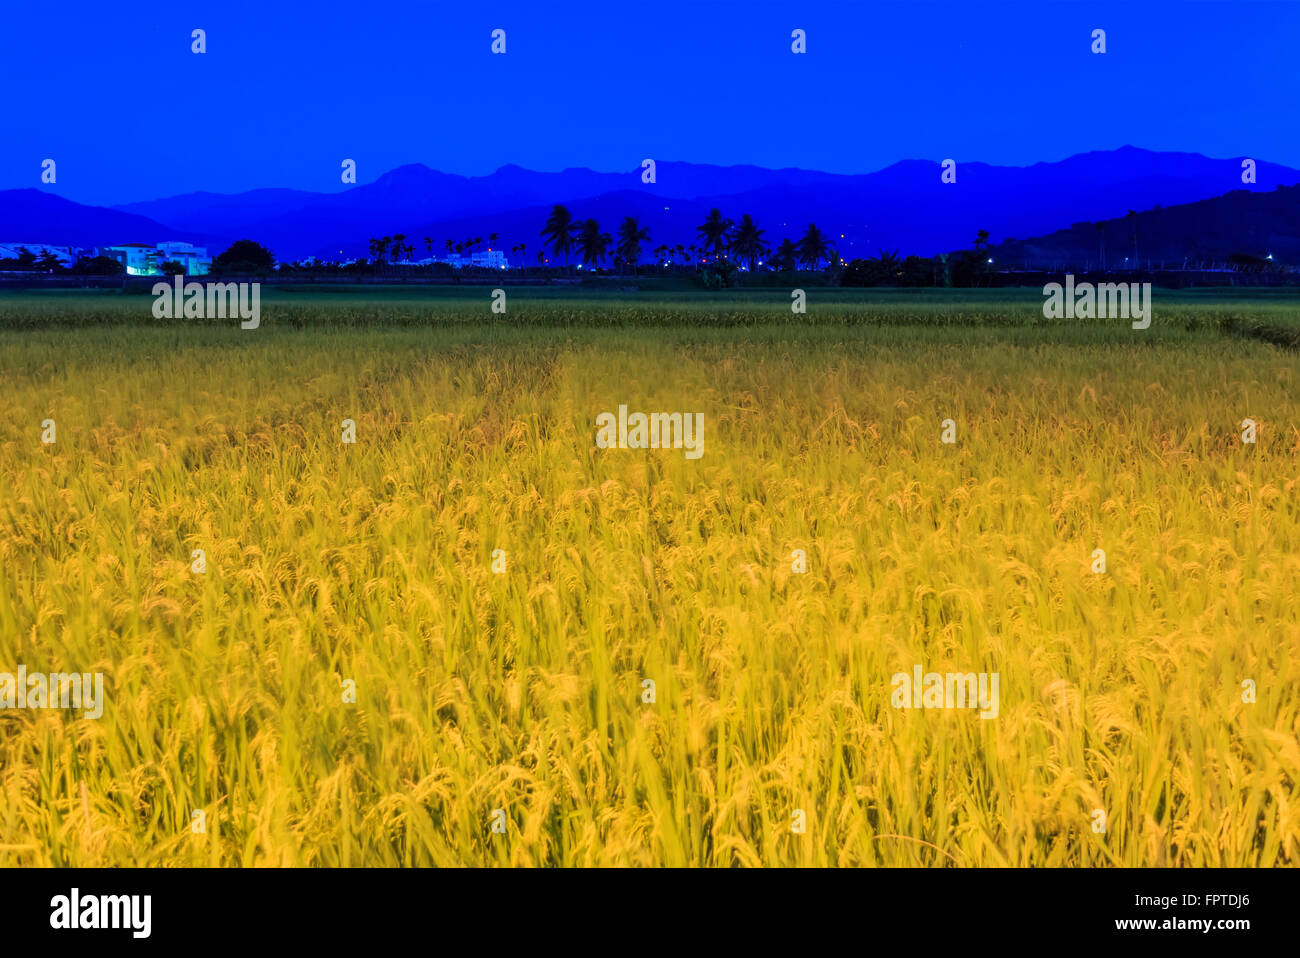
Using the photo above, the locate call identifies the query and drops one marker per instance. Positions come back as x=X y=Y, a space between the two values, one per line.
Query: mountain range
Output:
x=905 y=207
x=1257 y=224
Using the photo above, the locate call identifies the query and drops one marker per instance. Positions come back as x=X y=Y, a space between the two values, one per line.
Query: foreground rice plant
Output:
x=372 y=563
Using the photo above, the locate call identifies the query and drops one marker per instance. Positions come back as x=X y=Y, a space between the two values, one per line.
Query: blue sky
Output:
x=286 y=91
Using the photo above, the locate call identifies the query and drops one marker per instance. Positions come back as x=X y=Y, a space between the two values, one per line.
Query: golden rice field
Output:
x=372 y=563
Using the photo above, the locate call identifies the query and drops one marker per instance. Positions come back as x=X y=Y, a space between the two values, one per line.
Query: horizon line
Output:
x=43 y=188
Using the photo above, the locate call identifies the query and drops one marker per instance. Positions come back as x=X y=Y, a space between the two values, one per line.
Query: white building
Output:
x=487 y=259
x=146 y=259
x=138 y=259
x=195 y=259
x=67 y=255
x=490 y=259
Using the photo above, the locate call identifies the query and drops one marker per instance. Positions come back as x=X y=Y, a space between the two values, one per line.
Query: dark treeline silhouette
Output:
x=1249 y=234
x=724 y=248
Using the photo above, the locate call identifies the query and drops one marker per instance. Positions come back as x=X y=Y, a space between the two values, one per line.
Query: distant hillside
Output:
x=1256 y=224
x=36 y=216
x=904 y=207
x=414 y=193
x=220 y=212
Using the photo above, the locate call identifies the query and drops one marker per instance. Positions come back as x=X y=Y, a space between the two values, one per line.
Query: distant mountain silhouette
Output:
x=35 y=216
x=1255 y=224
x=204 y=208
x=904 y=206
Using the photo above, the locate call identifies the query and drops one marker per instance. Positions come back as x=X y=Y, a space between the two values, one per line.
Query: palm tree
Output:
x=492 y=240
x=714 y=231
x=981 y=239
x=450 y=246
x=630 y=237
x=376 y=246
x=747 y=241
x=812 y=248
x=384 y=242
x=559 y=231
x=786 y=255
x=591 y=242
x=680 y=250
x=428 y=244
x=398 y=240
x=888 y=266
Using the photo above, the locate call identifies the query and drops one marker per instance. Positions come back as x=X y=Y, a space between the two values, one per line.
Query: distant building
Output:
x=67 y=255
x=195 y=259
x=138 y=259
x=491 y=259
x=487 y=259
x=146 y=259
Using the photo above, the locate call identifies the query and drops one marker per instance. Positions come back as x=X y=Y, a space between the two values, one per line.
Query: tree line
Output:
x=564 y=237
x=395 y=246
x=719 y=239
